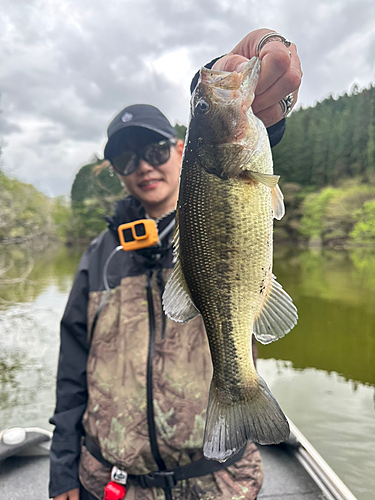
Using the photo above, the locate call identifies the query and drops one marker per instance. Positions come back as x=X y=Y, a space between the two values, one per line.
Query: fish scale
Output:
x=227 y=201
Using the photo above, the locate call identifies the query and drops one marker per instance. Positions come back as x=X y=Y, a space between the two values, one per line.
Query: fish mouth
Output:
x=221 y=79
x=232 y=85
x=233 y=80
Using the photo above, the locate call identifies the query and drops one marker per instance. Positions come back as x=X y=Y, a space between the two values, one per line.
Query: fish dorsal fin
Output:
x=177 y=302
x=278 y=206
x=277 y=316
x=268 y=180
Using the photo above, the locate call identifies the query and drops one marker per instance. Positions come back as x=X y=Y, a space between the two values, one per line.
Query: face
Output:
x=157 y=187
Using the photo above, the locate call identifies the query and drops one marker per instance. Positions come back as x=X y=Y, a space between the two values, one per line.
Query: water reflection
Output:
x=334 y=293
x=33 y=291
x=25 y=272
x=322 y=372
x=336 y=416
x=10 y=367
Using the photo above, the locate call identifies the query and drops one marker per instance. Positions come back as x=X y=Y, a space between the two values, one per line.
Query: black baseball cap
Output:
x=137 y=115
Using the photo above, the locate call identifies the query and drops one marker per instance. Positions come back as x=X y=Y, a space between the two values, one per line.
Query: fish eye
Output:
x=202 y=107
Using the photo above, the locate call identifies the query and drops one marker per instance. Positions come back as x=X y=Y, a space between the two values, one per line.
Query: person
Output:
x=132 y=386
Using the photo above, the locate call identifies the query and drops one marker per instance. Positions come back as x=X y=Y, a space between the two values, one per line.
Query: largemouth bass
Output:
x=227 y=201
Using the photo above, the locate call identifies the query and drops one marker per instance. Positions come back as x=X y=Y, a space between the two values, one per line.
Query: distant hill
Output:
x=330 y=142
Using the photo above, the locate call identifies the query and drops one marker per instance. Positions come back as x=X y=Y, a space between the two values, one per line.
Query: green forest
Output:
x=326 y=161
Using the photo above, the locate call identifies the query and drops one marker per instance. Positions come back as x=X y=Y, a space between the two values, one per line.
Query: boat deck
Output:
x=284 y=477
x=24 y=478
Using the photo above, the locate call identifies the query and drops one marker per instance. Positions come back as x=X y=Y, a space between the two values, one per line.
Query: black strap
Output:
x=94 y=449
x=168 y=478
x=199 y=468
x=150 y=400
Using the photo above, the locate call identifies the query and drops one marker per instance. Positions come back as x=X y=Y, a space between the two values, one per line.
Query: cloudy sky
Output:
x=67 y=67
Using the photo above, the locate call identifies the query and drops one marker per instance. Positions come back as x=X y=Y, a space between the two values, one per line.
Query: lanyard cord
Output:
x=106 y=286
x=105 y=279
x=167 y=229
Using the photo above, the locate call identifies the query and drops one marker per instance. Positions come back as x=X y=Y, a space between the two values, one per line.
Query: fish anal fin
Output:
x=177 y=302
x=278 y=206
x=230 y=426
x=277 y=316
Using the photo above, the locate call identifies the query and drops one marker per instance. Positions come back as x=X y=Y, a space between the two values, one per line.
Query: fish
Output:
x=223 y=243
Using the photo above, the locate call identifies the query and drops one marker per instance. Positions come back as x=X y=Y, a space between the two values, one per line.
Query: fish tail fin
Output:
x=230 y=426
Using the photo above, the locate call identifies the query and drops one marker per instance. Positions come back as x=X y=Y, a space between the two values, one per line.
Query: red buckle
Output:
x=114 y=491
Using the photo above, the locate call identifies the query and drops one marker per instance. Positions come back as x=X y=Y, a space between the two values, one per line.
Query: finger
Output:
x=288 y=83
x=230 y=62
x=73 y=494
x=274 y=114
x=248 y=45
x=277 y=60
x=271 y=115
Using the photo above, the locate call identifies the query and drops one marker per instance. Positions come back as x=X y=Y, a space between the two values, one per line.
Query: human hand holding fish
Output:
x=280 y=73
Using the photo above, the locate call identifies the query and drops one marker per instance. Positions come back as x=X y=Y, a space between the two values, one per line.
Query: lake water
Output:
x=322 y=373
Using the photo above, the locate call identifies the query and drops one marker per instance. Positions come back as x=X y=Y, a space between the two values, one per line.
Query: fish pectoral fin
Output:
x=177 y=302
x=268 y=180
x=277 y=316
x=277 y=196
x=277 y=199
x=176 y=238
x=229 y=426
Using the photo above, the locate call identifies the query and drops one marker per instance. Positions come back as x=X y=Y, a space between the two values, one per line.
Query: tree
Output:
x=180 y=131
x=94 y=193
x=370 y=150
x=330 y=142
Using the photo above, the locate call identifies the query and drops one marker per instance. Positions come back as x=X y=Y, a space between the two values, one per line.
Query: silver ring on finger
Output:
x=286 y=104
x=271 y=37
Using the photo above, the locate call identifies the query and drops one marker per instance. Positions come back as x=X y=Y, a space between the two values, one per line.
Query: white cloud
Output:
x=69 y=67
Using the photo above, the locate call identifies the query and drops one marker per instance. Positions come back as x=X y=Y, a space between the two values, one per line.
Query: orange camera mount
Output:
x=138 y=234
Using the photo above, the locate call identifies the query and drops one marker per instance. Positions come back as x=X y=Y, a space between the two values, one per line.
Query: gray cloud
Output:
x=69 y=67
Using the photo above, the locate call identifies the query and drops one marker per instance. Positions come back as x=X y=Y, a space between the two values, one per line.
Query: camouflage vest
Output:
x=116 y=417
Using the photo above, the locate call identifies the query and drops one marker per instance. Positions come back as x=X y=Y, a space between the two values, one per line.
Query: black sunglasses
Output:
x=154 y=154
